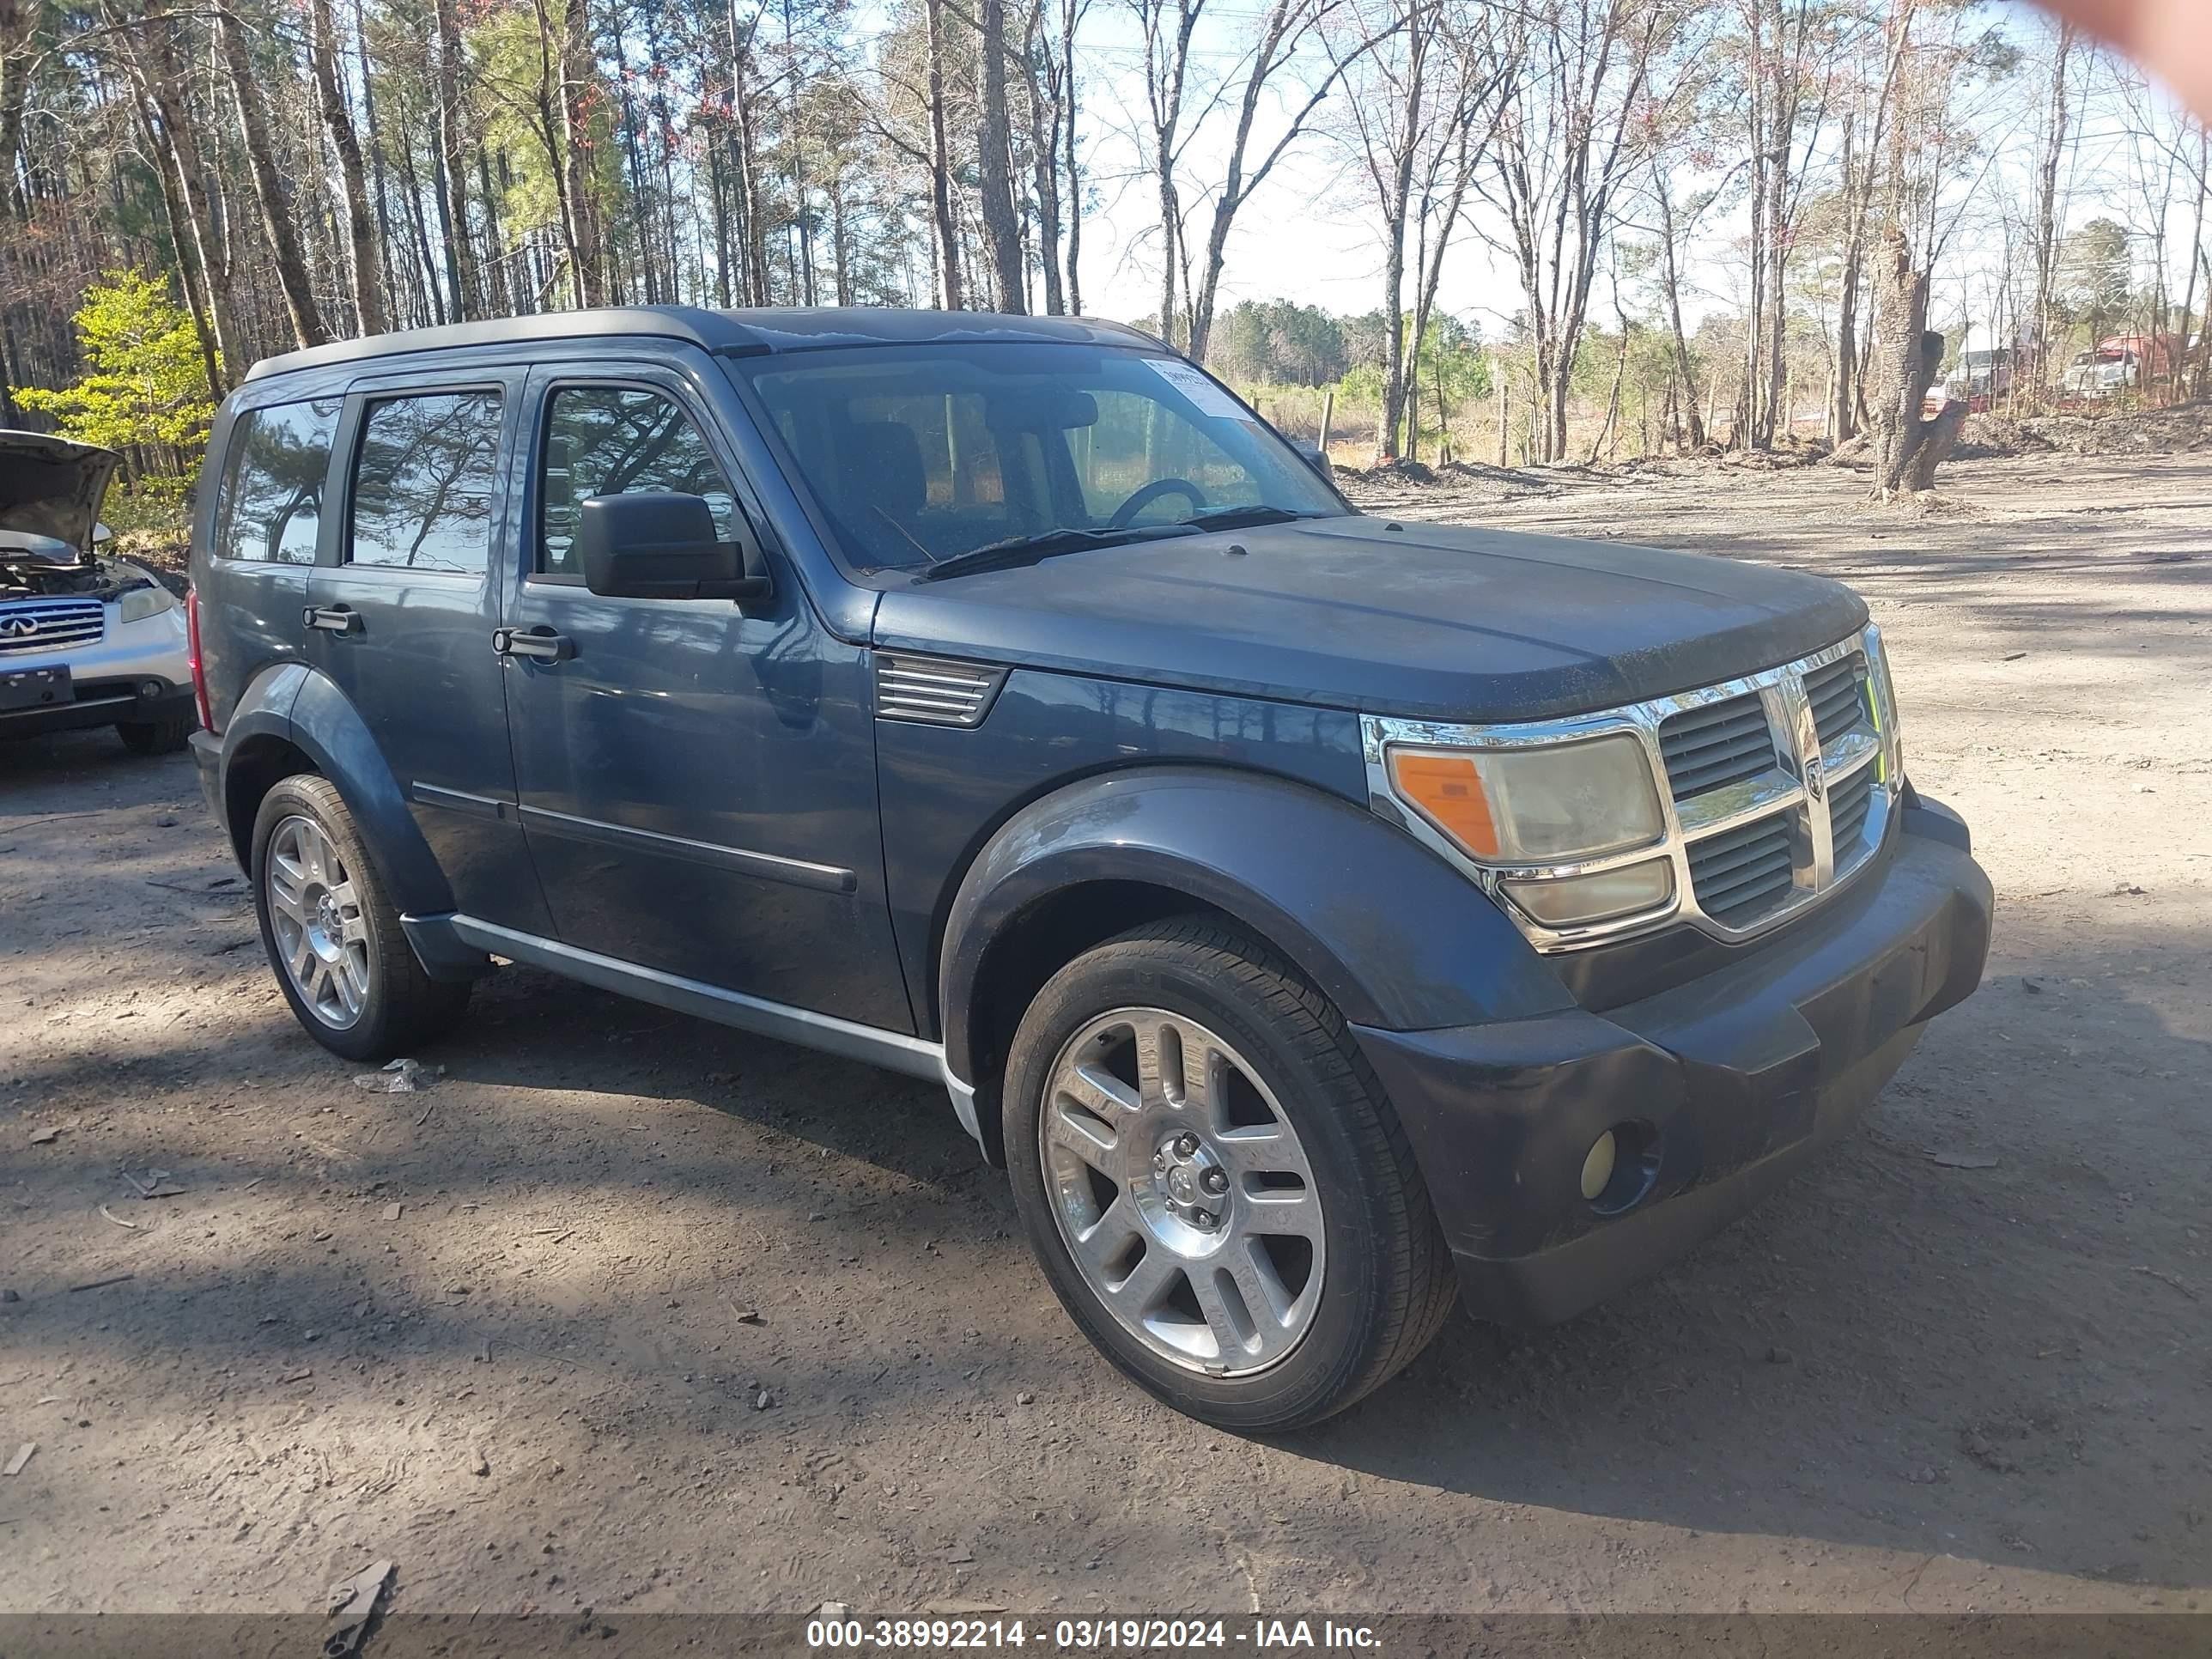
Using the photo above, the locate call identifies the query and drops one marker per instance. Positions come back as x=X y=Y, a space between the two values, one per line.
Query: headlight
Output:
x=1562 y=802
x=141 y=603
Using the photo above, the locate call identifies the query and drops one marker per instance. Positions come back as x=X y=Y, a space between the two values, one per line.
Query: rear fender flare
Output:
x=1393 y=935
x=296 y=705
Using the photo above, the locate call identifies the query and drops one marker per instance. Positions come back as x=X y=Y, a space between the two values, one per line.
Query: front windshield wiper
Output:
x=1246 y=518
x=1045 y=545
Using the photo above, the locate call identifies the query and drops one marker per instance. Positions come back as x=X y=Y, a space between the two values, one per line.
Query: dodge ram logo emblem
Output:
x=1814 y=782
x=19 y=628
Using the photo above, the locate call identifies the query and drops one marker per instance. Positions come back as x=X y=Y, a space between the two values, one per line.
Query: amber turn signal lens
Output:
x=1449 y=790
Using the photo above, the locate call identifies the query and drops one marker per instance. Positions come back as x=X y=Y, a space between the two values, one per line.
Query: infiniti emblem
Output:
x=19 y=628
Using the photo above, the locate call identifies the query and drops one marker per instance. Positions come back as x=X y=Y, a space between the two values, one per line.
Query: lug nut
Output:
x=1202 y=1217
x=1216 y=1181
x=1159 y=1160
x=1186 y=1144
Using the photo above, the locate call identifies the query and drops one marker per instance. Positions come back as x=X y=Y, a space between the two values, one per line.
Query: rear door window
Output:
x=424 y=476
x=273 y=512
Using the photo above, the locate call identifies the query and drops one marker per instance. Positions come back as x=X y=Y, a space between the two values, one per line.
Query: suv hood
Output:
x=50 y=490
x=1433 y=622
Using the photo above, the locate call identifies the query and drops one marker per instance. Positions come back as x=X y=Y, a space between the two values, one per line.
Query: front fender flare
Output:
x=1393 y=935
x=294 y=704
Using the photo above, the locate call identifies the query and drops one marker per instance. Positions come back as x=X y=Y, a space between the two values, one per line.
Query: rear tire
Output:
x=333 y=939
x=163 y=737
x=1237 y=1222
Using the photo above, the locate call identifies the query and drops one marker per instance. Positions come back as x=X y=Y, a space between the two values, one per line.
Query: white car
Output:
x=86 y=639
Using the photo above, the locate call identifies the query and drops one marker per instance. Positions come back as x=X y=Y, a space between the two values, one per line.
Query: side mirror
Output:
x=100 y=534
x=655 y=546
x=1316 y=457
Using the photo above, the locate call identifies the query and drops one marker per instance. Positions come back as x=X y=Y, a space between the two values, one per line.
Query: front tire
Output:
x=164 y=737
x=331 y=935
x=1214 y=1182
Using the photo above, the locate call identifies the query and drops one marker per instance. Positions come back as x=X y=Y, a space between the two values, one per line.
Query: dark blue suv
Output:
x=1319 y=917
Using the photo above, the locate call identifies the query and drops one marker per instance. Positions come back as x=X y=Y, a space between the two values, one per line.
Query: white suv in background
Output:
x=86 y=639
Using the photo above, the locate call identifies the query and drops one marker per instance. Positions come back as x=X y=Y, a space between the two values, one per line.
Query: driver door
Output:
x=696 y=781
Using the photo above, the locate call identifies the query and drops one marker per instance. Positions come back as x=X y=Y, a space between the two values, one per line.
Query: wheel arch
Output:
x=1388 y=932
x=292 y=720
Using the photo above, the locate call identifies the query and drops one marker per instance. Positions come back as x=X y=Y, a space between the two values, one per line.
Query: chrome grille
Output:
x=1777 y=783
x=1850 y=805
x=50 y=624
x=935 y=692
x=1837 y=695
x=1718 y=744
x=1741 y=875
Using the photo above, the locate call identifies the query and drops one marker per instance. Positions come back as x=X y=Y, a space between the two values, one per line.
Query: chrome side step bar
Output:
x=895 y=1051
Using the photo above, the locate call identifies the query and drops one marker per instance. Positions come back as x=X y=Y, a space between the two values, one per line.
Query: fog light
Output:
x=1597 y=1167
x=150 y=689
x=1575 y=900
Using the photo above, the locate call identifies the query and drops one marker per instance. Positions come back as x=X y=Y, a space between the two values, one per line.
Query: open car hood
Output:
x=50 y=489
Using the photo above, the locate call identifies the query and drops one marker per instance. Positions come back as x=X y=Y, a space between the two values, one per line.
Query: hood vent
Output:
x=933 y=691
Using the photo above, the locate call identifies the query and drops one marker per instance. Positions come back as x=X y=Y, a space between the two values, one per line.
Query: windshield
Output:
x=920 y=453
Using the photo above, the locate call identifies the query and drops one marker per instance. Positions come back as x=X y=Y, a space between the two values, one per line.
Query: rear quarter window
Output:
x=271 y=510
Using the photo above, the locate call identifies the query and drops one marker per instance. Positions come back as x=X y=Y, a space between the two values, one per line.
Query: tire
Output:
x=165 y=736
x=1377 y=1280
x=367 y=998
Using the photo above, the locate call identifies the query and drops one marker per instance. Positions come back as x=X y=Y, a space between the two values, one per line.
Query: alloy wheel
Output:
x=1182 y=1192
x=322 y=940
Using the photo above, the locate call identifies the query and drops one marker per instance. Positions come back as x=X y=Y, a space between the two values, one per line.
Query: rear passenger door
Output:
x=697 y=780
x=402 y=619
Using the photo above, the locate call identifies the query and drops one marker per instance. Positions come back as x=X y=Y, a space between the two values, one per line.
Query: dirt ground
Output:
x=630 y=1312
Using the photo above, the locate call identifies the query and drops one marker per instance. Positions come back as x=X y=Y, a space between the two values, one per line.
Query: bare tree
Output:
x=2050 y=153
x=1567 y=138
x=452 y=191
x=946 y=229
x=366 y=263
x=1002 y=228
x=1419 y=75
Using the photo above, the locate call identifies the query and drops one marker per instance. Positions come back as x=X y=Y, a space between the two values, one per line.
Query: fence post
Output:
x=1327 y=415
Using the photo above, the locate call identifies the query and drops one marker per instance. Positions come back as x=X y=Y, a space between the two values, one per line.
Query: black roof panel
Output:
x=793 y=328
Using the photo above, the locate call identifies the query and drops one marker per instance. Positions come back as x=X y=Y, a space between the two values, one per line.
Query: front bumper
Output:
x=102 y=702
x=1725 y=1085
x=110 y=676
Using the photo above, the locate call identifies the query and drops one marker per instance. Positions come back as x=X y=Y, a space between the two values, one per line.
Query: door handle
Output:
x=334 y=618
x=538 y=644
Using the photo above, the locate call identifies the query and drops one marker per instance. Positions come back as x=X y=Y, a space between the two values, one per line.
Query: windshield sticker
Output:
x=1209 y=399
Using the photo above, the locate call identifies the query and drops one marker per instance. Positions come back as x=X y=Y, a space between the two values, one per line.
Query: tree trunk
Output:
x=579 y=64
x=1782 y=121
x=149 y=55
x=268 y=185
x=1001 y=230
x=496 y=287
x=1843 y=414
x=367 y=266
x=944 y=227
x=19 y=20
x=1671 y=280
x=453 y=197
x=1071 y=14
x=1907 y=446
x=1041 y=73
x=2047 y=202
x=191 y=278
x=376 y=174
